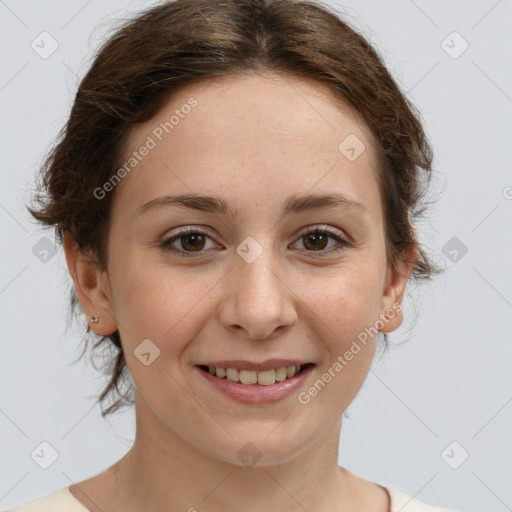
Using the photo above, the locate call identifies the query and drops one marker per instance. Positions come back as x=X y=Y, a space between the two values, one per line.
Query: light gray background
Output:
x=451 y=381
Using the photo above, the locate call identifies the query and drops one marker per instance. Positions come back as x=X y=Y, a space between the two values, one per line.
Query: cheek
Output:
x=345 y=300
x=343 y=315
x=344 y=307
x=151 y=298
x=167 y=308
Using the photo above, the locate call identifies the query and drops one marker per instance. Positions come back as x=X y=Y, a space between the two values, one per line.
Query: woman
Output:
x=233 y=192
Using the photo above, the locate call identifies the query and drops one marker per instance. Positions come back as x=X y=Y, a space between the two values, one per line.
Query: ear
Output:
x=394 y=289
x=92 y=287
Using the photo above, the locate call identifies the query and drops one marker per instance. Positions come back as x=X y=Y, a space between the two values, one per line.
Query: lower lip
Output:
x=256 y=393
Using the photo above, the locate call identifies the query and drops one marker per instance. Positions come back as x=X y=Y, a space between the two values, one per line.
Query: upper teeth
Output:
x=265 y=378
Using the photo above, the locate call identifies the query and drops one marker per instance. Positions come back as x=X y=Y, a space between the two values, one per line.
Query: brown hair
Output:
x=180 y=42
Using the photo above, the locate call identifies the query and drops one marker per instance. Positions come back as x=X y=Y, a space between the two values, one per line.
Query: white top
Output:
x=62 y=500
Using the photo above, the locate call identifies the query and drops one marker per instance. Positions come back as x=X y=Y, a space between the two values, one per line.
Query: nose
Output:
x=258 y=303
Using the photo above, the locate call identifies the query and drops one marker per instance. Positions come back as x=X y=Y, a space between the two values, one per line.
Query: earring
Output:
x=94 y=319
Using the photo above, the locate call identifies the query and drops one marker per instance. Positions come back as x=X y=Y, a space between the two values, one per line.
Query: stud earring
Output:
x=94 y=319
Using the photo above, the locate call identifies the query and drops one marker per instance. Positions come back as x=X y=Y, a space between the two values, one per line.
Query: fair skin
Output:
x=253 y=141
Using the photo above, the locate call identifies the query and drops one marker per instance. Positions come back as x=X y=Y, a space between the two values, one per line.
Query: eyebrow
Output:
x=212 y=204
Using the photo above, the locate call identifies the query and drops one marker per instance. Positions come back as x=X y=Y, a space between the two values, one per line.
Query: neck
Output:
x=163 y=472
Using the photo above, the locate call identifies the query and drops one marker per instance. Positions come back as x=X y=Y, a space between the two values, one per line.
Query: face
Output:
x=248 y=283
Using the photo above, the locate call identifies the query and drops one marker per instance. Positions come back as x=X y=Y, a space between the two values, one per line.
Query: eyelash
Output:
x=166 y=244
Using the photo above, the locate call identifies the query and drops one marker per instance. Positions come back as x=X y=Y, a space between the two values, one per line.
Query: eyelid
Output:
x=189 y=228
x=194 y=228
x=168 y=239
x=342 y=240
x=323 y=227
x=335 y=233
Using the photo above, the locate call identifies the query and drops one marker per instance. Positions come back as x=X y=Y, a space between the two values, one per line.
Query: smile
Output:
x=255 y=386
x=263 y=378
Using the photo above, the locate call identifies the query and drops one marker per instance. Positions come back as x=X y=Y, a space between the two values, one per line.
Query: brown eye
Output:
x=317 y=239
x=187 y=242
x=192 y=242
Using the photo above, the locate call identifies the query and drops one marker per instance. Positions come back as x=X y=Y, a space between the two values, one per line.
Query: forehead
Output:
x=230 y=134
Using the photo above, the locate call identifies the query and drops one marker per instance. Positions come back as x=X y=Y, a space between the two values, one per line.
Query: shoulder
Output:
x=60 y=500
x=403 y=502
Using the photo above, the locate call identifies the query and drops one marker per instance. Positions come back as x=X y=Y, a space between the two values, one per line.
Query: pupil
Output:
x=195 y=239
x=315 y=238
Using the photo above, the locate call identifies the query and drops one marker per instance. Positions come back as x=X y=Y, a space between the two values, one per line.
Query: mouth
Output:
x=266 y=377
x=255 y=386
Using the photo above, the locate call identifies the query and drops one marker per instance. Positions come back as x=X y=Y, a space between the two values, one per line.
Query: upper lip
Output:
x=241 y=364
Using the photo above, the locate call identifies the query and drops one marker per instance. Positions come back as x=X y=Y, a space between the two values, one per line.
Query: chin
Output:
x=249 y=449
